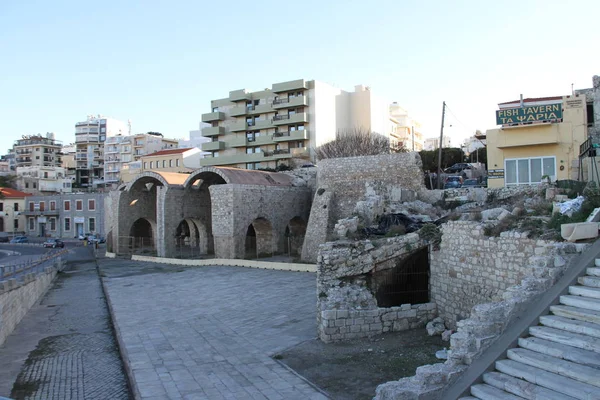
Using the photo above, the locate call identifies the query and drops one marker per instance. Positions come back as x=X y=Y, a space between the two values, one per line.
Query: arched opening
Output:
x=109 y=242
x=294 y=237
x=259 y=239
x=142 y=236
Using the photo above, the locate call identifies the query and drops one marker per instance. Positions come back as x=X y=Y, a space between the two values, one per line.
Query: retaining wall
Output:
x=226 y=262
x=16 y=298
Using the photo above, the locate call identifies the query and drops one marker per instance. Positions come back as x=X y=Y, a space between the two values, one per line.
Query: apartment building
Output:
x=68 y=161
x=406 y=130
x=65 y=215
x=282 y=124
x=43 y=180
x=37 y=150
x=12 y=204
x=434 y=143
x=121 y=150
x=90 y=136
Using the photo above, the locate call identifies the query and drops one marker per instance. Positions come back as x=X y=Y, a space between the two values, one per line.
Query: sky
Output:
x=159 y=63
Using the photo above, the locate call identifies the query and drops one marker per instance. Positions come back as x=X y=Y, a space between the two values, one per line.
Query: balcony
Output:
x=86 y=139
x=298 y=84
x=81 y=157
x=260 y=124
x=284 y=102
x=290 y=135
x=138 y=144
x=213 y=131
x=287 y=119
x=213 y=146
x=213 y=116
x=238 y=126
x=239 y=95
x=238 y=111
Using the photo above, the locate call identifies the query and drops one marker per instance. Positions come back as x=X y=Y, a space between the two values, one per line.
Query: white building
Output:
x=434 y=143
x=196 y=139
x=407 y=131
x=41 y=180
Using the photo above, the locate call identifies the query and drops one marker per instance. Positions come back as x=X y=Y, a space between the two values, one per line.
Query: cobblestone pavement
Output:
x=208 y=332
x=64 y=347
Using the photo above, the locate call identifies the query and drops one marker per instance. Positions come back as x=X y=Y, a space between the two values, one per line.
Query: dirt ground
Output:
x=352 y=370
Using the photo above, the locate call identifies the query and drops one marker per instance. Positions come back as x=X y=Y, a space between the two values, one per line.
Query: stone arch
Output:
x=142 y=181
x=294 y=236
x=205 y=238
x=259 y=239
x=208 y=176
x=143 y=235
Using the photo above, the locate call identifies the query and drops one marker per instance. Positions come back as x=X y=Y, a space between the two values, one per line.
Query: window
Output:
x=215 y=109
x=145 y=165
x=170 y=163
x=52 y=224
x=52 y=205
x=590 y=114
x=250 y=150
x=151 y=164
x=15 y=207
x=34 y=185
x=1 y=207
x=525 y=171
x=42 y=206
x=45 y=175
x=31 y=224
x=214 y=139
x=177 y=163
x=92 y=224
x=164 y=163
x=91 y=205
x=31 y=206
x=67 y=205
x=79 y=205
x=67 y=224
x=15 y=224
x=26 y=185
x=37 y=157
x=215 y=154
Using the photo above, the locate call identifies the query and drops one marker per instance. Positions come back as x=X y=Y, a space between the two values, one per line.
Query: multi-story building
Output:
x=12 y=204
x=121 y=150
x=38 y=150
x=434 y=143
x=43 y=180
x=68 y=161
x=65 y=215
x=196 y=139
x=406 y=131
x=10 y=160
x=284 y=123
x=90 y=136
x=538 y=138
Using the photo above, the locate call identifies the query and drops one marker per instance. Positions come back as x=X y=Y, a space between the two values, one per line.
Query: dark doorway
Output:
x=406 y=283
x=251 y=242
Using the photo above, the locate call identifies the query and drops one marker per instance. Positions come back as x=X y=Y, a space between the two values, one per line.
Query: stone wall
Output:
x=380 y=179
x=16 y=298
x=347 y=307
x=471 y=268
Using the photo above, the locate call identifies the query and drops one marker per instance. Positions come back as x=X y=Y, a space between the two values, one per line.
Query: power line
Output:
x=470 y=129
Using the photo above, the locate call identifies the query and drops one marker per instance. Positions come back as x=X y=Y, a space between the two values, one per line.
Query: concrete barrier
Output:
x=230 y=263
x=579 y=231
x=108 y=254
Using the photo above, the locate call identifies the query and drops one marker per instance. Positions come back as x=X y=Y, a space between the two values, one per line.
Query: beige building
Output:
x=174 y=160
x=284 y=123
x=38 y=150
x=121 y=150
x=12 y=205
x=406 y=130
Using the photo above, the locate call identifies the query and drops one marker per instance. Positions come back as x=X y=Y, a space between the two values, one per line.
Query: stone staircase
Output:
x=560 y=358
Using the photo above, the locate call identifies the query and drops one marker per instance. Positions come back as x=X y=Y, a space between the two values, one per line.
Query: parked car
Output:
x=20 y=239
x=93 y=239
x=458 y=167
x=101 y=239
x=54 y=243
x=4 y=237
x=453 y=182
x=471 y=183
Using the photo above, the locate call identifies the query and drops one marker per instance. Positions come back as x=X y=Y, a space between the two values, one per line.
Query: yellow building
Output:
x=12 y=205
x=539 y=138
x=173 y=160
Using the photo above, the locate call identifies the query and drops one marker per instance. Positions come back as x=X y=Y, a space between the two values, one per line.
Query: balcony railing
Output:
x=281 y=117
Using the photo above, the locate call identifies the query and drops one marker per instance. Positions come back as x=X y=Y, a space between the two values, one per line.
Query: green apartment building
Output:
x=284 y=123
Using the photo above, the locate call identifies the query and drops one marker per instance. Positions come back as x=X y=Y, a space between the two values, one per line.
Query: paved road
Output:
x=64 y=347
x=207 y=332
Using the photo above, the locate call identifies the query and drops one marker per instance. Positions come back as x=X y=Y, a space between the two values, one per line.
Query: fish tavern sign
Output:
x=549 y=112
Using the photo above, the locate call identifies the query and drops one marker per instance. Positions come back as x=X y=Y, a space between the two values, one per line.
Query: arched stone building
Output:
x=228 y=212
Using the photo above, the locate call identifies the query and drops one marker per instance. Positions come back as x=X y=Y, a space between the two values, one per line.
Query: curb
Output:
x=133 y=387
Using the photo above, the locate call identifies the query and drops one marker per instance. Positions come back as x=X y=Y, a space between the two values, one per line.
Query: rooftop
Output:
x=167 y=152
x=12 y=193
x=533 y=100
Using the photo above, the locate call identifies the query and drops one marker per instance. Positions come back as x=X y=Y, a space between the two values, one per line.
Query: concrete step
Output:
x=593 y=271
x=558 y=383
x=591 y=281
x=487 y=392
x=571 y=325
x=581 y=302
x=576 y=313
x=522 y=388
x=585 y=291
x=570 y=353
x=556 y=366
x=569 y=338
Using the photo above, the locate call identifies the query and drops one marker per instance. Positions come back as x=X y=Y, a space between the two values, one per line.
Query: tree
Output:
x=353 y=143
x=450 y=156
x=7 y=181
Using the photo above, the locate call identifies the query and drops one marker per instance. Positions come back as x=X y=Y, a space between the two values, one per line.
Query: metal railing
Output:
x=281 y=117
x=18 y=271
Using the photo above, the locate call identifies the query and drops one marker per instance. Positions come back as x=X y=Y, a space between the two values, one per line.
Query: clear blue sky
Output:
x=159 y=63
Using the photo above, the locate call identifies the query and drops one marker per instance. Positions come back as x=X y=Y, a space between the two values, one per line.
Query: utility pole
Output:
x=440 y=147
x=413 y=138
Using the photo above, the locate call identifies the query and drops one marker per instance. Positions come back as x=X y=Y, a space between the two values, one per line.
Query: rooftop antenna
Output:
x=129 y=124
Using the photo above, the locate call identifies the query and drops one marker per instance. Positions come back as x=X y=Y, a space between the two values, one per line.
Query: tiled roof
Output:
x=532 y=100
x=12 y=193
x=167 y=152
